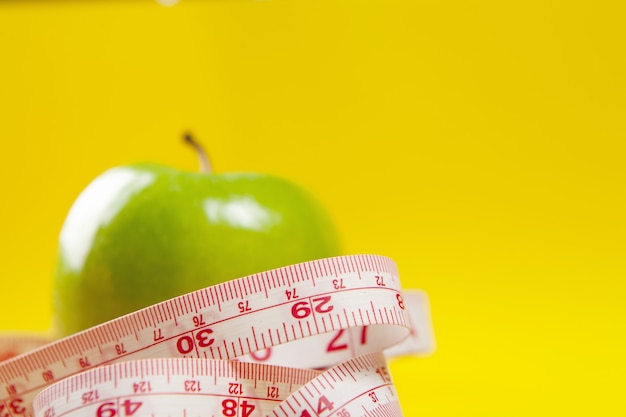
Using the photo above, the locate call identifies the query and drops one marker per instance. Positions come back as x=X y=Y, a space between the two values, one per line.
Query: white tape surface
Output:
x=190 y=355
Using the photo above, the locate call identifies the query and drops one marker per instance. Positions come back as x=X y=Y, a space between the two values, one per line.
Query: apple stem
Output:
x=205 y=164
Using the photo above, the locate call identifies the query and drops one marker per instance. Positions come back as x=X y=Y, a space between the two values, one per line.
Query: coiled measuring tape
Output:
x=302 y=340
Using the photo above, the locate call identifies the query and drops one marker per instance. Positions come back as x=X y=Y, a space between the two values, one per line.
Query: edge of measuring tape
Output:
x=317 y=314
x=183 y=386
x=15 y=343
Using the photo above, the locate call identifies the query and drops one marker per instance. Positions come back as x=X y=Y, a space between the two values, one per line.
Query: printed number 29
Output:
x=302 y=310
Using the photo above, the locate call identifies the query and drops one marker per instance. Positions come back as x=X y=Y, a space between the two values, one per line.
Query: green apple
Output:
x=143 y=233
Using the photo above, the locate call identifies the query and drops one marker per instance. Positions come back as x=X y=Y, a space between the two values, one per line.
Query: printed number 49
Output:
x=108 y=409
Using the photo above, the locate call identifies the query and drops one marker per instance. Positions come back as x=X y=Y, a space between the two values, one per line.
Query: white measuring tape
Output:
x=302 y=340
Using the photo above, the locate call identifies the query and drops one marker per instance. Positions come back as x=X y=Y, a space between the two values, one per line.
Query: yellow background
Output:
x=478 y=143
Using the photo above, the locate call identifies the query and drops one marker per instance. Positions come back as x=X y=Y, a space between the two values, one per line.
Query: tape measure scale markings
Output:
x=318 y=314
x=192 y=386
x=15 y=343
x=172 y=386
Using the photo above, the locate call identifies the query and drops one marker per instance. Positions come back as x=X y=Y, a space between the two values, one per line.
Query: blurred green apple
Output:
x=143 y=233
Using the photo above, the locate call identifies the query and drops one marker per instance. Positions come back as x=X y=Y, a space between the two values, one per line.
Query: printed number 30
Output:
x=186 y=344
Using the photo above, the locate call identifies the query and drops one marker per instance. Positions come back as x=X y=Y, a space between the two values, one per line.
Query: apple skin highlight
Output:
x=143 y=233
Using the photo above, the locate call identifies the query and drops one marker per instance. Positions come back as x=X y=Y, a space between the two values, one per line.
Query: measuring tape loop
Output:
x=336 y=314
x=183 y=386
x=158 y=383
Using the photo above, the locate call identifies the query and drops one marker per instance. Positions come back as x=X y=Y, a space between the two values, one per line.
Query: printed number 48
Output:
x=229 y=408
